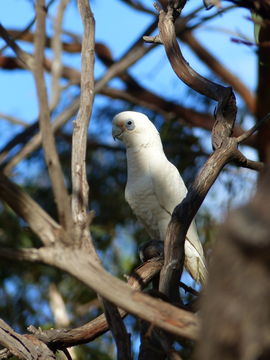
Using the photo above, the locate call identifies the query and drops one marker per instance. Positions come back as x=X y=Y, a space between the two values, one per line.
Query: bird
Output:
x=154 y=186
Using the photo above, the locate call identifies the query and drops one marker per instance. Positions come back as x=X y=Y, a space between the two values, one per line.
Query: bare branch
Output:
x=13 y=120
x=23 y=346
x=51 y=156
x=36 y=140
x=5 y=354
x=80 y=130
x=161 y=314
x=25 y=59
x=179 y=64
x=57 y=49
x=166 y=316
x=219 y=69
x=118 y=329
x=241 y=160
x=39 y=221
x=248 y=133
x=138 y=6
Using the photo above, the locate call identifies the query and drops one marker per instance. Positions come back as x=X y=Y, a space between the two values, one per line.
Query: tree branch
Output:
x=23 y=346
x=24 y=58
x=189 y=76
x=118 y=329
x=51 y=156
x=22 y=204
x=219 y=69
x=13 y=120
x=247 y=134
x=80 y=130
x=161 y=314
x=56 y=45
x=36 y=140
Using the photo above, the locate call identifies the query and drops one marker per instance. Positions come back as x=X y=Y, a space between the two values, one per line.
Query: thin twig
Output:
x=21 y=33
x=36 y=140
x=13 y=120
x=25 y=59
x=189 y=289
x=248 y=133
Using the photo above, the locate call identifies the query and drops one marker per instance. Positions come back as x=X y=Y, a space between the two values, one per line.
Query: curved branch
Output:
x=221 y=71
x=182 y=69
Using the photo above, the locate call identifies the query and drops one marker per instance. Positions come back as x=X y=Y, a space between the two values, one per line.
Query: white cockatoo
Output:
x=154 y=186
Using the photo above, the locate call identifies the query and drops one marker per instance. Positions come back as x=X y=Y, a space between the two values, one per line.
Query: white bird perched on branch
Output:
x=154 y=186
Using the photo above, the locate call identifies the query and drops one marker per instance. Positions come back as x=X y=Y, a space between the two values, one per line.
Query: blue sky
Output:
x=118 y=26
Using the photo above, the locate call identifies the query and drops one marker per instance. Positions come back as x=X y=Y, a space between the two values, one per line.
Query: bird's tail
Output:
x=195 y=263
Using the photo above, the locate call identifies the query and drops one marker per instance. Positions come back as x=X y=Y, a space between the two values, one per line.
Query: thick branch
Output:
x=160 y=314
x=23 y=346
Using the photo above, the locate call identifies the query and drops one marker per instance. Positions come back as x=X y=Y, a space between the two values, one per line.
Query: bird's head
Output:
x=134 y=129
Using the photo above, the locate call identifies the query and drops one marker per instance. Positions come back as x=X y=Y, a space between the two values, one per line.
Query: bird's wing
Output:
x=142 y=200
x=170 y=190
x=168 y=187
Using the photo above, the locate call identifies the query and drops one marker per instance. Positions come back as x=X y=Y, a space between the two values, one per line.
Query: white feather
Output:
x=154 y=186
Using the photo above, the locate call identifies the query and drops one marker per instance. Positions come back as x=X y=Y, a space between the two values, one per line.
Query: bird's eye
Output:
x=130 y=125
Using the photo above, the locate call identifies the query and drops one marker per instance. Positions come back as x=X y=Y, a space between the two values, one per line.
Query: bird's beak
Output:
x=116 y=132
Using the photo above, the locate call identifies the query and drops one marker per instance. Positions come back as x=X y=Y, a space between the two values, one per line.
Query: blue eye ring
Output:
x=130 y=125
